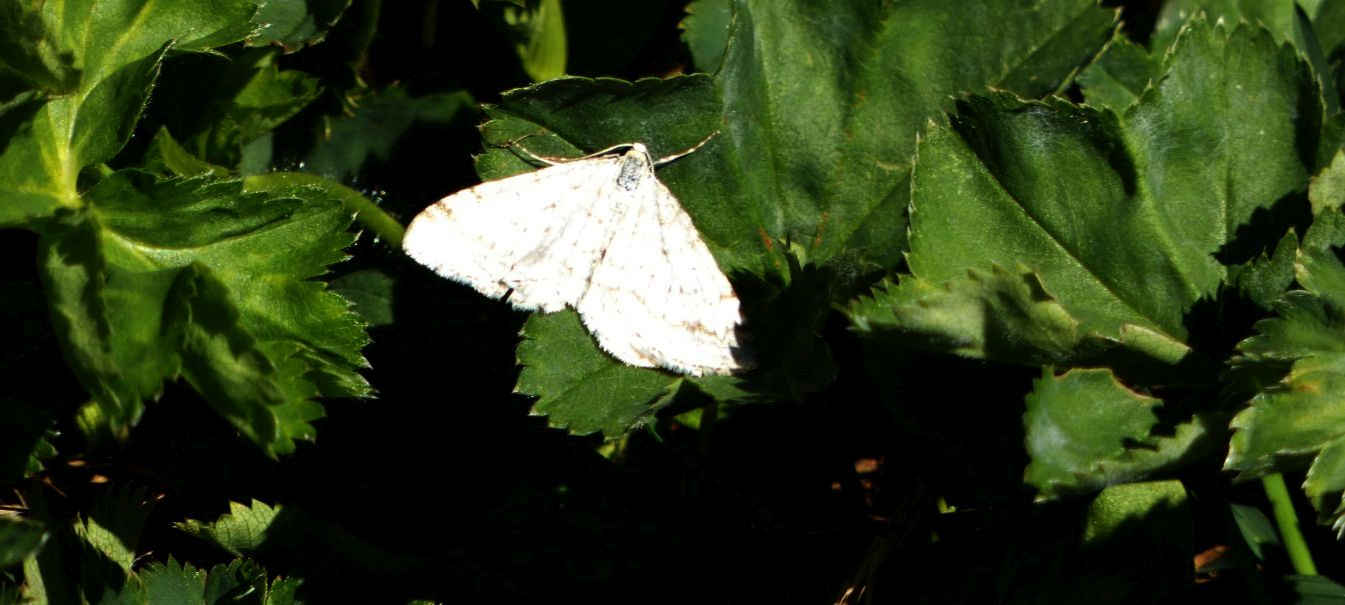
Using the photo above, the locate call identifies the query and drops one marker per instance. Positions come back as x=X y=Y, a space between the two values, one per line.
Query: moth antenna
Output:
x=662 y=161
x=553 y=160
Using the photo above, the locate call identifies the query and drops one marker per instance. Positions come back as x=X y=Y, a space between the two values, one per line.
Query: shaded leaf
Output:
x=239 y=581
x=166 y=156
x=1119 y=76
x=257 y=529
x=29 y=51
x=114 y=523
x=1265 y=278
x=1315 y=590
x=705 y=31
x=19 y=539
x=293 y=24
x=542 y=48
x=25 y=439
x=1328 y=21
x=375 y=128
x=1257 y=530
x=1002 y=315
x=1159 y=508
x=252 y=96
x=371 y=291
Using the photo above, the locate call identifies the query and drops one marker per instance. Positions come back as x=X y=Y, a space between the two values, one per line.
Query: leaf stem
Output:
x=1294 y=544
x=365 y=210
x=374 y=218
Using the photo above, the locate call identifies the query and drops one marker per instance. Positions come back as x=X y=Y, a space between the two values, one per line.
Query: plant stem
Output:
x=1283 y=507
x=365 y=210
x=375 y=219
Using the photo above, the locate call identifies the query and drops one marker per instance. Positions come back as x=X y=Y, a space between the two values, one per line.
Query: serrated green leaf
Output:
x=377 y=124
x=827 y=166
x=1298 y=418
x=245 y=581
x=1002 y=315
x=1008 y=316
x=19 y=539
x=1277 y=16
x=1078 y=422
x=209 y=278
x=118 y=59
x=1318 y=269
x=284 y=591
x=579 y=387
x=174 y=582
x=239 y=581
x=1086 y=431
x=225 y=583
x=1119 y=76
x=1265 y=278
x=705 y=31
x=293 y=24
x=261 y=388
x=239 y=531
x=1280 y=17
x=1120 y=218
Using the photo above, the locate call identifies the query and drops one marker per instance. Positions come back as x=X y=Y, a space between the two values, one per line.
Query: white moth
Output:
x=600 y=234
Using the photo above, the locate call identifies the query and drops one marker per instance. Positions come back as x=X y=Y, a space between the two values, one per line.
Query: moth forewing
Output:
x=600 y=234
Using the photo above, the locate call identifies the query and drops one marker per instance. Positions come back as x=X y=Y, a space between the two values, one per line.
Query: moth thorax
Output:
x=634 y=168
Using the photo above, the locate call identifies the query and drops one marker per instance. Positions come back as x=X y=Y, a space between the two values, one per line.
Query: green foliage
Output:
x=240 y=531
x=92 y=561
x=27 y=434
x=802 y=176
x=706 y=32
x=1298 y=416
x=117 y=61
x=1019 y=277
x=293 y=24
x=375 y=128
x=150 y=277
x=19 y=539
